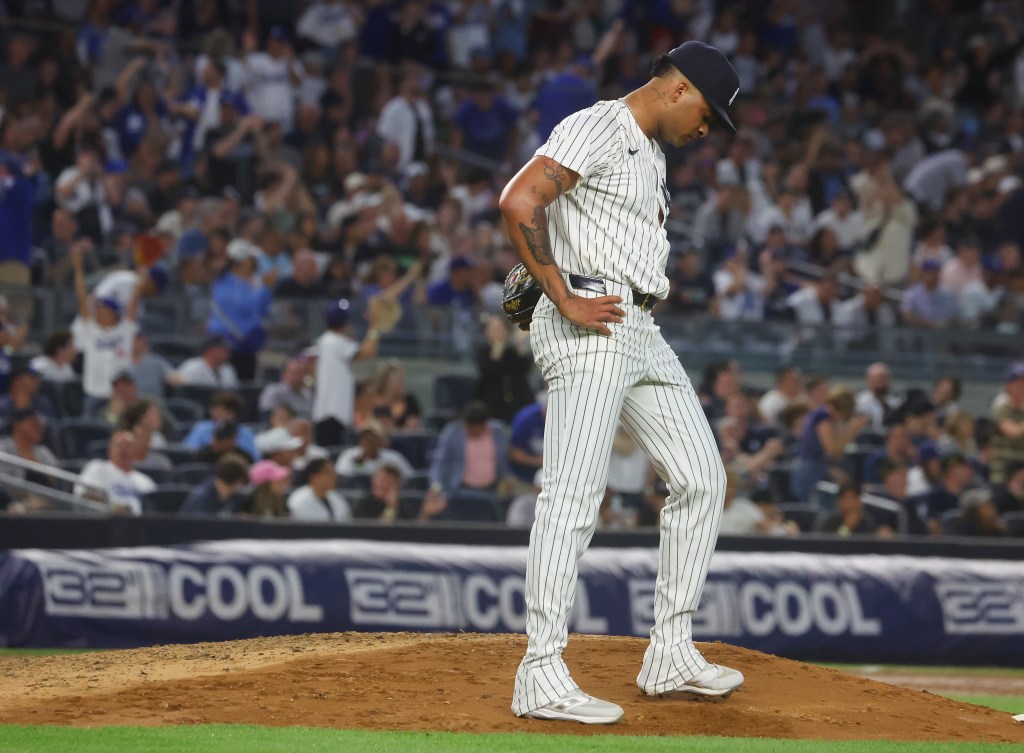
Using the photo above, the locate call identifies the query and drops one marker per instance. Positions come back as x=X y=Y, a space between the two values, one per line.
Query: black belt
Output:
x=646 y=301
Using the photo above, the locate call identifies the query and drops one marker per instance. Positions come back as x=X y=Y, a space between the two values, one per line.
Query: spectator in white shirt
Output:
x=964 y=268
x=407 y=122
x=334 y=397
x=307 y=451
x=54 y=364
x=124 y=486
x=272 y=77
x=793 y=215
x=869 y=308
x=291 y=390
x=318 y=500
x=105 y=335
x=80 y=190
x=789 y=389
x=843 y=220
x=816 y=304
x=740 y=292
x=330 y=23
x=371 y=453
x=876 y=401
x=212 y=368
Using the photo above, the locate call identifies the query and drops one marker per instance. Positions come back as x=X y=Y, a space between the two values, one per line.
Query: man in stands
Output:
x=318 y=500
x=24 y=395
x=116 y=476
x=215 y=496
x=225 y=408
x=371 y=453
x=212 y=368
x=25 y=442
x=291 y=390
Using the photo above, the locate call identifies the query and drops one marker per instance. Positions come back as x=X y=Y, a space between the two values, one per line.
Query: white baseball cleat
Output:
x=577 y=706
x=715 y=680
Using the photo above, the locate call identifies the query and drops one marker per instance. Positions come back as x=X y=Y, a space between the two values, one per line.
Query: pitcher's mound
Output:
x=461 y=683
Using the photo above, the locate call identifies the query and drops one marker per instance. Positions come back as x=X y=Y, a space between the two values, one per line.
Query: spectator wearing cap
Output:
x=23 y=393
x=124 y=486
x=472 y=454
x=979 y=515
x=371 y=453
x=927 y=472
x=217 y=496
x=54 y=364
x=334 y=396
x=485 y=123
x=272 y=76
x=925 y=304
x=308 y=450
x=25 y=442
x=120 y=286
x=105 y=333
x=406 y=121
x=124 y=393
x=278 y=444
x=291 y=389
x=212 y=368
x=239 y=303
x=224 y=410
x=1008 y=425
x=317 y=500
x=956 y=475
x=268 y=498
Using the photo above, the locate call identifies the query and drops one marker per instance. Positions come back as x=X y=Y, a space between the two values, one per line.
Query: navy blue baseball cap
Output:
x=337 y=312
x=712 y=73
x=1015 y=371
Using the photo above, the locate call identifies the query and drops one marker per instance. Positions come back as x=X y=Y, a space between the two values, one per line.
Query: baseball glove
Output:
x=520 y=295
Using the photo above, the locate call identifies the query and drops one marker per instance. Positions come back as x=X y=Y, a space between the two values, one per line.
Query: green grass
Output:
x=905 y=669
x=1013 y=704
x=245 y=739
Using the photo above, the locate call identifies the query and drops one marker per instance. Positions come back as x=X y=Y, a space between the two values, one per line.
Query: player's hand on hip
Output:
x=593 y=313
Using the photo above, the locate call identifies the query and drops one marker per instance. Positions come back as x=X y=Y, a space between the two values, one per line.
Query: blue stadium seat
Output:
x=166 y=499
x=75 y=434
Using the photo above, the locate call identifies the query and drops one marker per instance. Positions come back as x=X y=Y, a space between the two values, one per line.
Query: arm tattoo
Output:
x=557 y=175
x=537 y=238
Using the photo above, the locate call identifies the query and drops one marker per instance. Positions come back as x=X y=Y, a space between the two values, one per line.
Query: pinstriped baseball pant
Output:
x=592 y=382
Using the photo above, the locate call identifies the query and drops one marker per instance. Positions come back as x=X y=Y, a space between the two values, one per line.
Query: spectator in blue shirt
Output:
x=485 y=123
x=826 y=433
x=17 y=193
x=925 y=304
x=564 y=94
x=526 y=445
x=458 y=289
x=145 y=112
x=240 y=301
x=224 y=410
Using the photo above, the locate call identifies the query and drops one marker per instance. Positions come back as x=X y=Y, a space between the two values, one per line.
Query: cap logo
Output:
x=733 y=96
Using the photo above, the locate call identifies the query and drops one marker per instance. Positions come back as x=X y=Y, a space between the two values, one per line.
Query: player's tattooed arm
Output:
x=523 y=204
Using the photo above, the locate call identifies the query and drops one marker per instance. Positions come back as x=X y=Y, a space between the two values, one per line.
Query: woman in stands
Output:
x=827 y=430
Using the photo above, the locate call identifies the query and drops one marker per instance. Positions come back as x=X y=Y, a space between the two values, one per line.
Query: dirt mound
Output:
x=461 y=683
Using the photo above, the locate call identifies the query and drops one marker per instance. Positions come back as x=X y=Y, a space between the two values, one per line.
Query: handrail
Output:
x=80 y=505
x=48 y=470
x=888 y=505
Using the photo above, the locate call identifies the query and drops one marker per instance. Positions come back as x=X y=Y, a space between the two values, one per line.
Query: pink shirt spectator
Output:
x=481 y=462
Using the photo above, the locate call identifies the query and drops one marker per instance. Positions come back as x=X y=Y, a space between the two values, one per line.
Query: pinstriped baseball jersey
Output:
x=612 y=224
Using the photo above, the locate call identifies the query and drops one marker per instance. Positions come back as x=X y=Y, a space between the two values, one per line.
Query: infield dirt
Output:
x=461 y=683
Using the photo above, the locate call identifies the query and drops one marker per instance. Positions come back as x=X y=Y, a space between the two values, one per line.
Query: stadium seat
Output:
x=804 y=516
x=950 y=521
x=74 y=436
x=415 y=447
x=97 y=448
x=453 y=391
x=185 y=411
x=67 y=397
x=166 y=499
x=410 y=502
x=419 y=481
x=193 y=392
x=358 y=482
x=179 y=454
x=472 y=507
x=159 y=474
x=1014 y=523
x=250 y=394
x=175 y=349
x=193 y=473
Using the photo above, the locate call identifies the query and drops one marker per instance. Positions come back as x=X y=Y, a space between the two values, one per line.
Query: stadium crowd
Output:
x=343 y=160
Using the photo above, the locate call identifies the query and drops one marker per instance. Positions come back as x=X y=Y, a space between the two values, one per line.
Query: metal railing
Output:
x=62 y=499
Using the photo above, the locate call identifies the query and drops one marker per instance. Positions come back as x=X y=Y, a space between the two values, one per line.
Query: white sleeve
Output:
x=193 y=372
x=299 y=507
x=344 y=466
x=344 y=348
x=91 y=475
x=228 y=376
x=586 y=142
x=81 y=331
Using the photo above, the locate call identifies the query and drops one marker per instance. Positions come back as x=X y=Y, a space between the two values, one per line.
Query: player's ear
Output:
x=681 y=87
